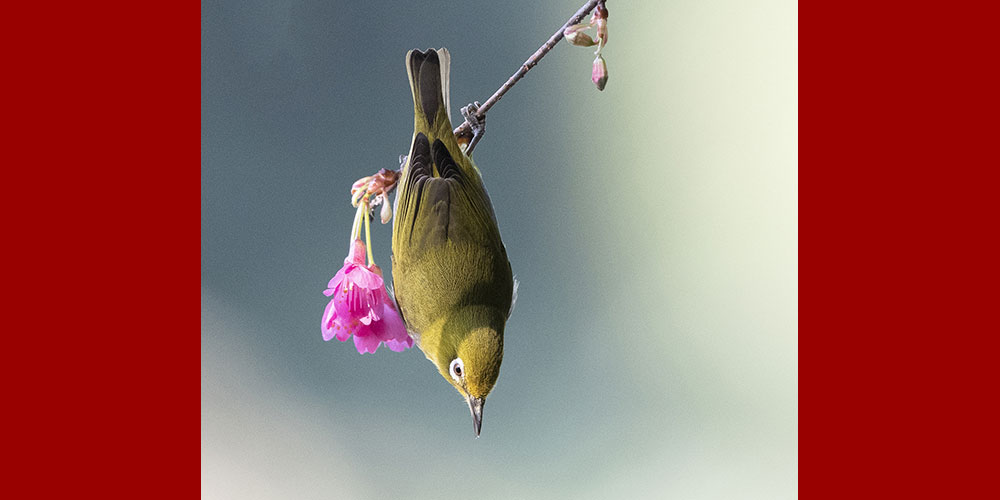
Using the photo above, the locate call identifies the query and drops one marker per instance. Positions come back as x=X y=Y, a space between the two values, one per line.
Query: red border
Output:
x=104 y=160
x=102 y=360
x=896 y=230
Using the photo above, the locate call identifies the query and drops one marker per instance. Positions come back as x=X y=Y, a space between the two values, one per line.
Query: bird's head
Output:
x=471 y=363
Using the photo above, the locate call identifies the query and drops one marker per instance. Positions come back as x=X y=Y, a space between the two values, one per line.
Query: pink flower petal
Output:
x=342 y=334
x=337 y=278
x=394 y=332
x=397 y=346
x=387 y=298
x=329 y=317
x=341 y=299
x=355 y=302
x=394 y=325
x=352 y=327
x=366 y=344
x=364 y=278
x=373 y=315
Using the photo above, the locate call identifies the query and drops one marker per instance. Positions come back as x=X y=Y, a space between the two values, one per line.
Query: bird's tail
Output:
x=429 y=73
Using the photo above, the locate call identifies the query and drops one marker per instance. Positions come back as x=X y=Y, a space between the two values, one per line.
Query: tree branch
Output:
x=465 y=128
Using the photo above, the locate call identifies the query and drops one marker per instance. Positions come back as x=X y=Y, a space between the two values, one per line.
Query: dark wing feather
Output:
x=439 y=202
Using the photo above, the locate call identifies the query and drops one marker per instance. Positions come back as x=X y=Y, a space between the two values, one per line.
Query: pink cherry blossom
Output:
x=361 y=307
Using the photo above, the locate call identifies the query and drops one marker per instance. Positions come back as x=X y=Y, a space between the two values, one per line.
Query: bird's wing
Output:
x=439 y=199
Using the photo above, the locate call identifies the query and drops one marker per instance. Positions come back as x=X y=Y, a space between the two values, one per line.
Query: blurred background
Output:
x=652 y=226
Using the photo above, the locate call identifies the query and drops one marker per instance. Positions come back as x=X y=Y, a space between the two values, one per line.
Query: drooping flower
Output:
x=575 y=35
x=361 y=306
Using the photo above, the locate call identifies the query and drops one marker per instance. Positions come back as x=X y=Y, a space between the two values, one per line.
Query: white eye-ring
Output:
x=457 y=369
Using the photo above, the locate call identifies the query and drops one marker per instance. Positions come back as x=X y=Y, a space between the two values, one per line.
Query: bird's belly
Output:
x=450 y=277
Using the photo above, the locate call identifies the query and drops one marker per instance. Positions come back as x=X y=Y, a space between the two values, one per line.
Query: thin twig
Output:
x=465 y=127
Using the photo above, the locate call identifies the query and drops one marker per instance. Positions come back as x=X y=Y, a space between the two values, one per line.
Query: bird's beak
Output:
x=476 y=407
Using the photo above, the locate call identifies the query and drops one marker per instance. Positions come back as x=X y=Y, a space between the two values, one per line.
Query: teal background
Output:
x=653 y=228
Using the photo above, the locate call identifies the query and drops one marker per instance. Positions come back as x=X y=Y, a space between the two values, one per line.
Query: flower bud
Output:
x=599 y=75
x=386 y=209
x=575 y=36
x=580 y=39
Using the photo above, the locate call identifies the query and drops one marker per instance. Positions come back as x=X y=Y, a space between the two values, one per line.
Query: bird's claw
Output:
x=477 y=125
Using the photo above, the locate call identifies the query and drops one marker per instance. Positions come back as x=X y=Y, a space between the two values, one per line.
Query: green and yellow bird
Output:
x=452 y=280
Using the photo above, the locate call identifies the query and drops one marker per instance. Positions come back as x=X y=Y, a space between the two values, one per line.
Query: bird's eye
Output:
x=456 y=369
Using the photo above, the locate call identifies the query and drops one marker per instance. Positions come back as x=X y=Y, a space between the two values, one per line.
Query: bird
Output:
x=452 y=280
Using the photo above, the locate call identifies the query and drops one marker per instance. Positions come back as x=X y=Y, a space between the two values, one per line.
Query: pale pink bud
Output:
x=386 y=210
x=599 y=75
x=580 y=39
x=576 y=36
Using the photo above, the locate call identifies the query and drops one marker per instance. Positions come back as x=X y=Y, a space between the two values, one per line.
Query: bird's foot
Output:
x=477 y=125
